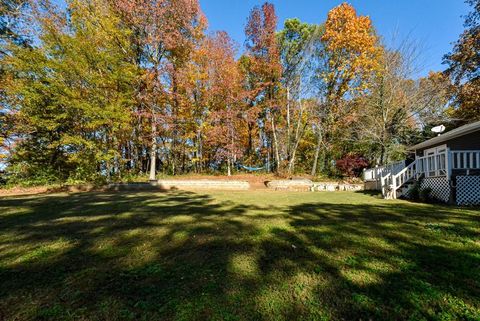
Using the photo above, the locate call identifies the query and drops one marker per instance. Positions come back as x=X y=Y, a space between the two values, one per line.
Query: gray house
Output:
x=449 y=164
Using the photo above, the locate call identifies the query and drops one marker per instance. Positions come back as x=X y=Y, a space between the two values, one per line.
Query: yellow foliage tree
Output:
x=349 y=55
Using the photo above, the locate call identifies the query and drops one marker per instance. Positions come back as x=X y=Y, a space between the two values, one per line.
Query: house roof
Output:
x=457 y=132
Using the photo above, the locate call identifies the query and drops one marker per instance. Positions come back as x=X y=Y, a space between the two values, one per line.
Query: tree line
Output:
x=105 y=90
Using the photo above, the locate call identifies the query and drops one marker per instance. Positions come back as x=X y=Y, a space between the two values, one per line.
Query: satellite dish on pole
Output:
x=439 y=129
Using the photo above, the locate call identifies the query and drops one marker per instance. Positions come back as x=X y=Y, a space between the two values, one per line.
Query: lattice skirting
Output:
x=440 y=187
x=468 y=190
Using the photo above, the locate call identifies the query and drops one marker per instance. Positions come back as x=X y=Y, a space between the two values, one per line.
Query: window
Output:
x=436 y=160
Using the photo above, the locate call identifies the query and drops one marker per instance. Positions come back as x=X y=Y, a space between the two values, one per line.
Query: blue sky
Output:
x=435 y=24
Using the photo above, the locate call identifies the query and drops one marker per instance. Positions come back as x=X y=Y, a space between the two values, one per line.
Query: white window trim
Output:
x=435 y=151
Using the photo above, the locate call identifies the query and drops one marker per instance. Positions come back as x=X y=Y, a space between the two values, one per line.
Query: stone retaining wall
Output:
x=307 y=185
x=132 y=187
x=165 y=185
x=302 y=185
x=205 y=184
x=336 y=187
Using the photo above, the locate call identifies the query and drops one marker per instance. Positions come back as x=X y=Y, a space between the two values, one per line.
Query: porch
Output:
x=438 y=169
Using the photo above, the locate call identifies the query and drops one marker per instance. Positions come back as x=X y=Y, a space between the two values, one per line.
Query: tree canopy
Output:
x=464 y=68
x=106 y=90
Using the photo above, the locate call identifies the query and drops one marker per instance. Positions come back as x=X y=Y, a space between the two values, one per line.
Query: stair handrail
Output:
x=384 y=181
x=376 y=173
x=403 y=176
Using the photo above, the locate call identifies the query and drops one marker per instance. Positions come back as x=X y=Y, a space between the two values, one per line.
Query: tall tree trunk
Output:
x=317 y=152
x=173 y=147
x=382 y=155
x=298 y=137
x=199 y=151
x=275 y=146
x=184 y=157
x=288 y=123
x=118 y=159
x=291 y=163
x=229 y=170
x=136 y=150
x=153 y=151
x=250 y=139
x=231 y=156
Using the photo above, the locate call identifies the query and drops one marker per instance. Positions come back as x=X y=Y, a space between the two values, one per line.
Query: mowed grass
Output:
x=236 y=256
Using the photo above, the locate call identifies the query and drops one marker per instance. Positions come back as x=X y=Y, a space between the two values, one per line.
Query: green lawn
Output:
x=236 y=256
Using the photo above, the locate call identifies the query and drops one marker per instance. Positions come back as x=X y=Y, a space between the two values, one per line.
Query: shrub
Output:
x=3 y=179
x=414 y=193
x=426 y=195
x=25 y=175
x=417 y=193
x=352 y=165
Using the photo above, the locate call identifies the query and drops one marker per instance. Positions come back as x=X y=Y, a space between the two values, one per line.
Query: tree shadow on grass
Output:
x=187 y=256
x=118 y=256
x=386 y=262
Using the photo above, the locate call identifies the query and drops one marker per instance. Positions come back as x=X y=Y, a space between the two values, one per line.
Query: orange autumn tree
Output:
x=262 y=62
x=222 y=136
x=349 y=53
x=211 y=89
x=193 y=92
x=165 y=34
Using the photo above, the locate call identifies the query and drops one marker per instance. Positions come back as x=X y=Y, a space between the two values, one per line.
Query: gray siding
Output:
x=466 y=142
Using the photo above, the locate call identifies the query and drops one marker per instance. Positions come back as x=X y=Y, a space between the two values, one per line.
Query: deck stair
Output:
x=402 y=180
x=397 y=181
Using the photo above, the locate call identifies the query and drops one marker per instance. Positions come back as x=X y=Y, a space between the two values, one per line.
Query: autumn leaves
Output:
x=108 y=89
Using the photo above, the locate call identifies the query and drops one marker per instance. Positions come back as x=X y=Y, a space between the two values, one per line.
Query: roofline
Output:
x=454 y=133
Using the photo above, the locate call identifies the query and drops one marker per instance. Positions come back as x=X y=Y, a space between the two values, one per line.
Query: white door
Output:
x=436 y=161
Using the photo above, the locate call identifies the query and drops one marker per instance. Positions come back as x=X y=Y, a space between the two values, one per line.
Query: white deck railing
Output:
x=466 y=159
x=393 y=177
x=376 y=174
x=442 y=164
x=433 y=165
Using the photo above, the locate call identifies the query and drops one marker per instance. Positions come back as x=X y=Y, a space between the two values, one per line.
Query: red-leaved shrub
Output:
x=352 y=165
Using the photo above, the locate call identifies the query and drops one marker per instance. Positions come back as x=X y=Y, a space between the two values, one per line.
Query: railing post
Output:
x=382 y=186
x=427 y=167
x=394 y=184
x=449 y=160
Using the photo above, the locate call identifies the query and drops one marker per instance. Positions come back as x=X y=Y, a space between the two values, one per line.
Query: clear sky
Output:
x=435 y=24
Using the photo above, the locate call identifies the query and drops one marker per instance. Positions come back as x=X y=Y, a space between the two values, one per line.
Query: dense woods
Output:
x=105 y=90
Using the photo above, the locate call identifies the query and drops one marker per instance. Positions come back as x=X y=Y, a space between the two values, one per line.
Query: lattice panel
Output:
x=440 y=187
x=468 y=190
x=407 y=192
